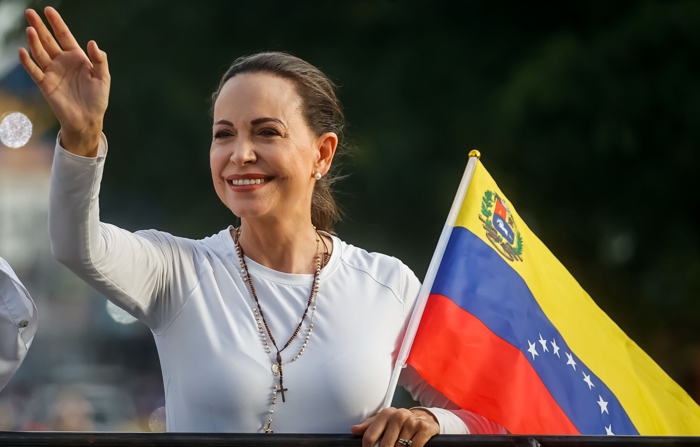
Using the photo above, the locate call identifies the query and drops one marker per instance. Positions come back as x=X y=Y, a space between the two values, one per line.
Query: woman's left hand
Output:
x=392 y=424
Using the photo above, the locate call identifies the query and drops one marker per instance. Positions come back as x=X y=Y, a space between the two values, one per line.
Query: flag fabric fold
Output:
x=508 y=333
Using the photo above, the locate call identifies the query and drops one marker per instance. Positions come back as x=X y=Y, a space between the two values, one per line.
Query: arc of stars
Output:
x=532 y=349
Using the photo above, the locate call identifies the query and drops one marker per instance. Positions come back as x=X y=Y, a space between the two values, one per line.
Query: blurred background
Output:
x=585 y=112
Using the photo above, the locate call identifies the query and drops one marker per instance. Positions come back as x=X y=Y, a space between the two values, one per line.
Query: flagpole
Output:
x=427 y=285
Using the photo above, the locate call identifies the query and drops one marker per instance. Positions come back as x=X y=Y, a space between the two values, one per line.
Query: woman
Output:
x=276 y=325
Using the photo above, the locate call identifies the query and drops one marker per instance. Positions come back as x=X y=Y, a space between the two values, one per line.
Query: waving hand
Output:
x=75 y=84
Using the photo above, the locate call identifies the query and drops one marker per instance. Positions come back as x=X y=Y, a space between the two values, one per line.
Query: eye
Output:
x=268 y=132
x=222 y=134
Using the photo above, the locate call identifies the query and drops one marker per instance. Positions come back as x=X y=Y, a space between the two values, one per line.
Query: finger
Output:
x=374 y=431
x=360 y=428
x=99 y=60
x=60 y=29
x=47 y=40
x=32 y=69
x=408 y=431
x=40 y=55
x=395 y=425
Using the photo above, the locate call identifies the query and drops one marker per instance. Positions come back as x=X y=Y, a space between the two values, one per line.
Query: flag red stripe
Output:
x=479 y=371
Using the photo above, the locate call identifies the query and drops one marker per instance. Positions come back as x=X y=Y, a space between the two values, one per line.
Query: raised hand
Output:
x=76 y=86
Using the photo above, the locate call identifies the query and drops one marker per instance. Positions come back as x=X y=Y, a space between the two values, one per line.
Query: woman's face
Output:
x=263 y=154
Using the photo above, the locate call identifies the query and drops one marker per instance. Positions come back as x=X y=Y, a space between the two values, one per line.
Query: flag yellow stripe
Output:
x=653 y=401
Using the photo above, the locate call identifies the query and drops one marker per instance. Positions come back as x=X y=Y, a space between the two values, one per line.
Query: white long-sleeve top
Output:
x=18 y=322
x=216 y=372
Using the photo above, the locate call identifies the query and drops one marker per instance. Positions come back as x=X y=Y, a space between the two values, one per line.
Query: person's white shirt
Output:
x=190 y=293
x=18 y=322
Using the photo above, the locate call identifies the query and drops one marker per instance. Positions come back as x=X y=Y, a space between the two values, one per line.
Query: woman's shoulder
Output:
x=384 y=269
x=213 y=246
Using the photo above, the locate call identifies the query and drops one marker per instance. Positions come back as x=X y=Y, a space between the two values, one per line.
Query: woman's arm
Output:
x=147 y=273
x=452 y=418
x=137 y=271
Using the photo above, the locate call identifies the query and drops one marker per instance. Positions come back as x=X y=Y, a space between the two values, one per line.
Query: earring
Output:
x=317 y=176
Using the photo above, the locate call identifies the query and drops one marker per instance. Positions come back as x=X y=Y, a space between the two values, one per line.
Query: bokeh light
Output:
x=118 y=314
x=157 y=420
x=15 y=130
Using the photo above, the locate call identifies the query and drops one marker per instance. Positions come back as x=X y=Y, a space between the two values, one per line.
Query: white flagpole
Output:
x=427 y=285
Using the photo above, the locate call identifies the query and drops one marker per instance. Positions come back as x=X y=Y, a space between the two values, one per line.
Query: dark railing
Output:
x=8 y=439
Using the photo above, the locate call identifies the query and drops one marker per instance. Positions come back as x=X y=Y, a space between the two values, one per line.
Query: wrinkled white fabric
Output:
x=18 y=322
x=190 y=293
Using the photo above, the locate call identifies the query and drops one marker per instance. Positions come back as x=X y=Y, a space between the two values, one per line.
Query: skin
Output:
x=259 y=129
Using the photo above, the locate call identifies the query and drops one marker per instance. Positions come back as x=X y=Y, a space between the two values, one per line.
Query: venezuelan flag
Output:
x=508 y=333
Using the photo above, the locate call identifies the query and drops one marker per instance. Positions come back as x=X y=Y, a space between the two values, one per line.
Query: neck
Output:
x=286 y=246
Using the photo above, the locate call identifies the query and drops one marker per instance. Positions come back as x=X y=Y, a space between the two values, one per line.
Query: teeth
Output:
x=256 y=181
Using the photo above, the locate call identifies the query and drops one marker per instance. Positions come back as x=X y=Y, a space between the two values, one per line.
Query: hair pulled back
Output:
x=321 y=109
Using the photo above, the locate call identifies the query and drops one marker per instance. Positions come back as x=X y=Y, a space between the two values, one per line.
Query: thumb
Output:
x=99 y=60
x=360 y=428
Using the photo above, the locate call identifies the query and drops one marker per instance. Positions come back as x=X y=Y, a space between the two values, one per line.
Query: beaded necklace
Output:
x=264 y=328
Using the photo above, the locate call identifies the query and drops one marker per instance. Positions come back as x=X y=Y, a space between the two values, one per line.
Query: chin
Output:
x=247 y=212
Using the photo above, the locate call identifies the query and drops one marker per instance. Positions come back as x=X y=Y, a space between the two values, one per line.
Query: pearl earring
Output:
x=317 y=176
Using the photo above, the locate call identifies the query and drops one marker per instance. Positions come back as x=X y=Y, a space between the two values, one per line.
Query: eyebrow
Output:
x=255 y=122
x=266 y=120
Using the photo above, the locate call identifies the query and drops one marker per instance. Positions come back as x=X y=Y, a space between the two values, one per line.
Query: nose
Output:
x=242 y=153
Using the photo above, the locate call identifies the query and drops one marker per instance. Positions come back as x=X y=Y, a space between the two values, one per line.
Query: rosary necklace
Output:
x=264 y=328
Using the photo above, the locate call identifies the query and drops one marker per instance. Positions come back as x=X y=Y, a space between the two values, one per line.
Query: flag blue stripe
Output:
x=480 y=281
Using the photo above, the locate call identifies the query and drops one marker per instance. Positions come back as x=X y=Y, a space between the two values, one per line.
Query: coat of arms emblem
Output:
x=500 y=227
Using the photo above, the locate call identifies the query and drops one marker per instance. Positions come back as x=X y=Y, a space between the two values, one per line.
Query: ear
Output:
x=326 y=144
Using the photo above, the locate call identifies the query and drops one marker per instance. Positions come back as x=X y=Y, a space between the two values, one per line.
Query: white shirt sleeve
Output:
x=18 y=322
x=149 y=274
x=452 y=418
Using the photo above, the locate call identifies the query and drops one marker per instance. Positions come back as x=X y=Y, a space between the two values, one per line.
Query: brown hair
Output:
x=322 y=112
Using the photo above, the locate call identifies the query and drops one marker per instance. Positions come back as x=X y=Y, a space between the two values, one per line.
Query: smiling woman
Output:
x=321 y=113
x=279 y=307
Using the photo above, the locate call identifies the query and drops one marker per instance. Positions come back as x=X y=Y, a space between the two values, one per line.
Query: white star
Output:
x=608 y=430
x=555 y=347
x=587 y=379
x=571 y=361
x=603 y=405
x=532 y=349
x=543 y=342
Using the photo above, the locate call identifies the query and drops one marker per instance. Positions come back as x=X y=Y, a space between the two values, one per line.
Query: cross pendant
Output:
x=267 y=429
x=281 y=390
